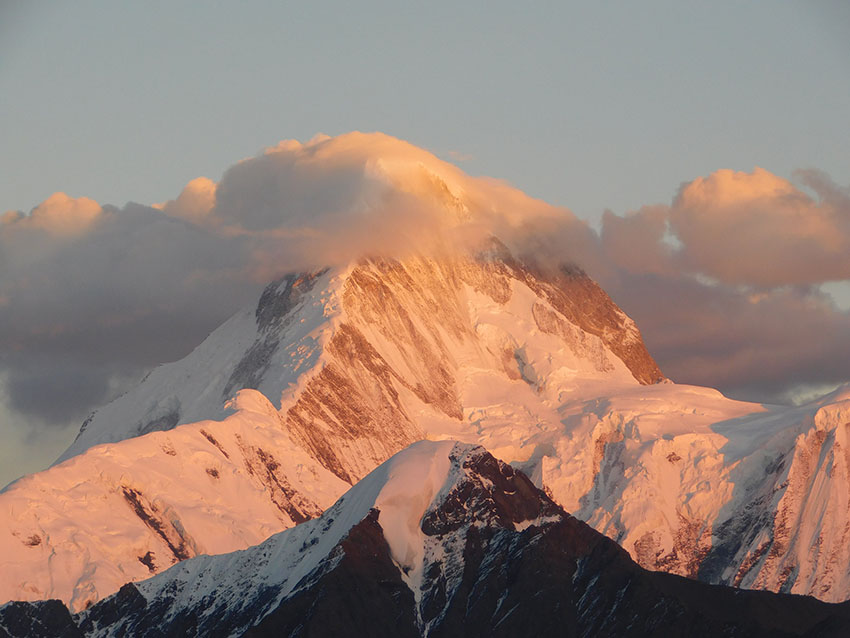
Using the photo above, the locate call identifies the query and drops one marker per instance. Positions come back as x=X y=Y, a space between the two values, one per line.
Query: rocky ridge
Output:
x=442 y=540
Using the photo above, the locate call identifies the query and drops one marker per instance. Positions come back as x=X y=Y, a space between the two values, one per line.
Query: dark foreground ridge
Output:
x=501 y=559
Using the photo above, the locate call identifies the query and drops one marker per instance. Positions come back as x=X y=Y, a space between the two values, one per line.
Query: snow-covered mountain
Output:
x=424 y=329
x=335 y=371
x=360 y=362
x=440 y=540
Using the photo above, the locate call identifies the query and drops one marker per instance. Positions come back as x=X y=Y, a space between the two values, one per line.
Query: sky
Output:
x=714 y=135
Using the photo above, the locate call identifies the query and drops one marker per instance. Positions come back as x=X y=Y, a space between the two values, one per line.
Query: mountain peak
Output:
x=486 y=490
x=440 y=540
x=313 y=338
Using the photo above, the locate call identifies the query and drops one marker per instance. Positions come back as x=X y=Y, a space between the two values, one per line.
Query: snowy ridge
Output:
x=268 y=349
x=754 y=500
x=123 y=511
x=422 y=322
x=806 y=493
x=348 y=366
x=401 y=489
x=441 y=540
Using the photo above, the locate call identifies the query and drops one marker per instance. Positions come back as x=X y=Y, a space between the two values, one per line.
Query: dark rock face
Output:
x=31 y=620
x=505 y=587
x=492 y=492
x=128 y=613
x=174 y=537
x=362 y=595
x=562 y=578
x=273 y=314
x=127 y=603
x=282 y=296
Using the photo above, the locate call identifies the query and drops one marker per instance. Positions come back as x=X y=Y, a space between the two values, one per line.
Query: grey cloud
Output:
x=80 y=314
x=757 y=348
x=55 y=391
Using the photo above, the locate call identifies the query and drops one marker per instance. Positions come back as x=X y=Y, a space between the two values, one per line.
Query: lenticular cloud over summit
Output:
x=332 y=200
x=98 y=293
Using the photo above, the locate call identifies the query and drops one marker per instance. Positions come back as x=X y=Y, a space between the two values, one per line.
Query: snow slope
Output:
x=357 y=350
x=440 y=540
x=124 y=511
x=343 y=368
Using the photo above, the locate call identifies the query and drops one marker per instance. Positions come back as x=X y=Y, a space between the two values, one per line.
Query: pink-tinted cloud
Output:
x=724 y=281
x=59 y=214
x=758 y=229
x=94 y=295
x=195 y=201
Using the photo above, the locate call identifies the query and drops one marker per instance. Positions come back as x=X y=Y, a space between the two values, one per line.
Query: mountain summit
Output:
x=421 y=327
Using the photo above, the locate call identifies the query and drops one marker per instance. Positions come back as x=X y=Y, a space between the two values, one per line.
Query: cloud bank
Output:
x=92 y=296
x=723 y=281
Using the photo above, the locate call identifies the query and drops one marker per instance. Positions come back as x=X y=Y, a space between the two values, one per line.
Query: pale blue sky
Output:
x=589 y=105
